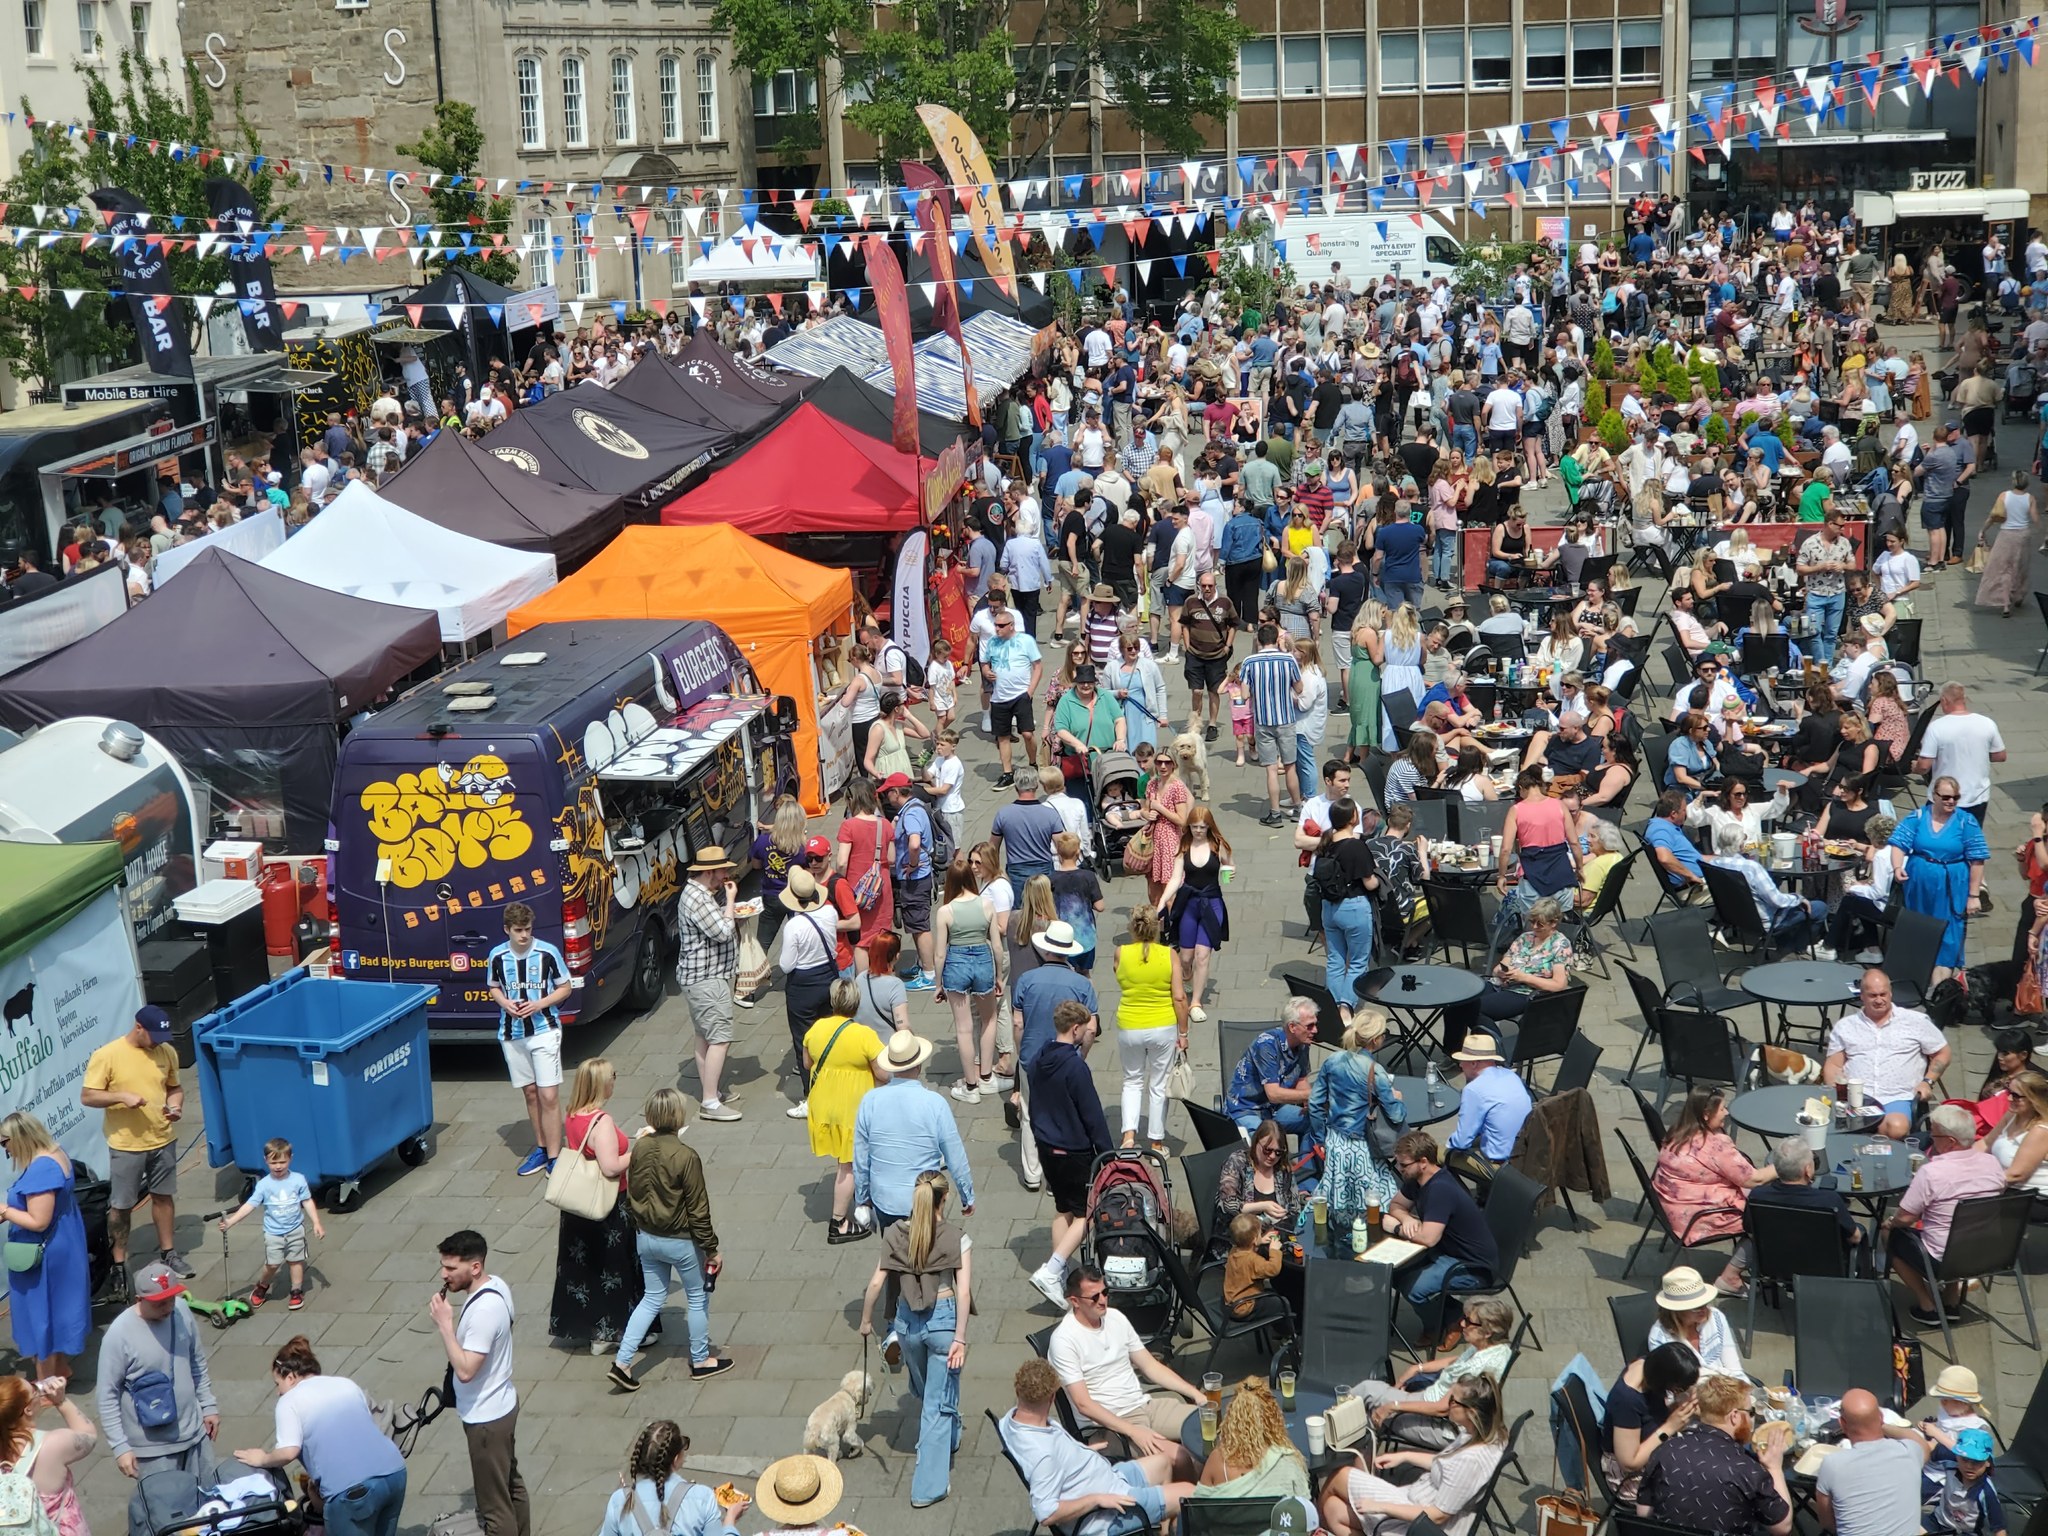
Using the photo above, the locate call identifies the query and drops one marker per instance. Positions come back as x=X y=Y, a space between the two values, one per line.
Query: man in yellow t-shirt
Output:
x=135 y=1080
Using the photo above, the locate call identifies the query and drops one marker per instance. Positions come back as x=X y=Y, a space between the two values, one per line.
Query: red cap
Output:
x=817 y=848
x=894 y=781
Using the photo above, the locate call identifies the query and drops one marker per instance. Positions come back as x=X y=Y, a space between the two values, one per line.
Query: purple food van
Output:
x=575 y=770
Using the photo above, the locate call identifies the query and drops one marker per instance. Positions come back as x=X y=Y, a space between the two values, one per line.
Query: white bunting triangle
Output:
x=72 y=296
x=1037 y=280
x=204 y=303
x=1661 y=112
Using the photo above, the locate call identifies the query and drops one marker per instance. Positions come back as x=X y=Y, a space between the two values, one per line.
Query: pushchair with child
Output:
x=1129 y=1231
x=1119 y=809
x=168 y=1500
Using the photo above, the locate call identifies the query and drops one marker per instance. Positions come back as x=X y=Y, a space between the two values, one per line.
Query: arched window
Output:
x=671 y=99
x=624 y=129
x=707 y=98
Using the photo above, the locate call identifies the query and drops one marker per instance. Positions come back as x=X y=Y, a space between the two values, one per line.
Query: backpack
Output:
x=1540 y=406
x=21 y=1506
x=1329 y=879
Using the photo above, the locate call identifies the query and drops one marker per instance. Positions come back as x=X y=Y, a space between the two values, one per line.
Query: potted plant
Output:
x=1603 y=359
x=1717 y=430
x=1613 y=430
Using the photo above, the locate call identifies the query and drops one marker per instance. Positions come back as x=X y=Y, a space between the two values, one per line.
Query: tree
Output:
x=1173 y=65
x=453 y=145
x=38 y=326
x=938 y=51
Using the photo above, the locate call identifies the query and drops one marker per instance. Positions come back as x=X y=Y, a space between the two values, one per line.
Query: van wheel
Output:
x=649 y=968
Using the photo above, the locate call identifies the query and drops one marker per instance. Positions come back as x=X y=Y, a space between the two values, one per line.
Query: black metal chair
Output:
x=1490 y=1504
x=1649 y=1003
x=1213 y=1128
x=1634 y=1314
x=1546 y=1028
x=1347 y=1325
x=1653 y=1119
x=1581 y=1058
x=1842 y=1338
x=1903 y=641
x=1401 y=710
x=1911 y=948
x=1107 y=1441
x=1571 y=1406
x=995 y=1425
x=1232 y=1041
x=1456 y=917
x=1513 y=1208
x=1985 y=1237
x=1204 y=1174
x=2021 y=1470
x=1226 y=1517
x=1700 y=1047
x=1432 y=818
x=1792 y=1243
x=1736 y=910
x=1631 y=1524
x=1580 y=923
x=1685 y=961
x=1329 y=1022
x=1482 y=818
x=1659 y=1220
x=1375 y=769
x=1202 y=1301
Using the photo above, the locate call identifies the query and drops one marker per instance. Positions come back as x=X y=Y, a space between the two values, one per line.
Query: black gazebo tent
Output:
x=696 y=389
x=459 y=485
x=245 y=674
x=477 y=337
x=589 y=437
x=871 y=410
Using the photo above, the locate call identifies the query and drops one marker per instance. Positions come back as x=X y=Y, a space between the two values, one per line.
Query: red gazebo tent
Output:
x=811 y=474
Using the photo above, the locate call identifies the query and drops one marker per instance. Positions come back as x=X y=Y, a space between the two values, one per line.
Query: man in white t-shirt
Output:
x=1503 y=410
x=1962 y=746
x=1104 y=1368
x=1096 y=345
x=479 y=1348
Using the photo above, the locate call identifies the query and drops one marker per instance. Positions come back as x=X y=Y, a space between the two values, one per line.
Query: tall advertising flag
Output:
x=975 y=181
x=142 y=266
x=935 y=215
x=248 y=263
x=892 y=308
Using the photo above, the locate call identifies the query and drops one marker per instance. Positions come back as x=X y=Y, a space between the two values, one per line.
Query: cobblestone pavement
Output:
x=786 y=1303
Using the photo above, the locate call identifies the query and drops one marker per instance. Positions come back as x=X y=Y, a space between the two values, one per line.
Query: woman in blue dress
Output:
x=49 y=1295
x=1939 y=852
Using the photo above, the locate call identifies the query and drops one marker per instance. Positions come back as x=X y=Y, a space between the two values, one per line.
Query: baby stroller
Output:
x=1119 y=813
x=2022 y=390
x=169 y=1500
x=1129 y=1232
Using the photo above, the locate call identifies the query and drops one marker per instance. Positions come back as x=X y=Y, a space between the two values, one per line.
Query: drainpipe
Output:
x=434 y=11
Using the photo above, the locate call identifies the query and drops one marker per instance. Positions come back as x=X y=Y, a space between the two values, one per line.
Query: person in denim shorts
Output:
x=966 y=962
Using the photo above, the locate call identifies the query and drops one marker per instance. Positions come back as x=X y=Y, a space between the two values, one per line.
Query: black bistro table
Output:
x=1418 y=996
x=1820 y=984
x=1885 y=1172
x=1308 y=1401
x=1773 y=1113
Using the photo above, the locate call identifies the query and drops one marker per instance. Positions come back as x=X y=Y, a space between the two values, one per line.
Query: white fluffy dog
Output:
x=1193 y=755
x=830 y=1430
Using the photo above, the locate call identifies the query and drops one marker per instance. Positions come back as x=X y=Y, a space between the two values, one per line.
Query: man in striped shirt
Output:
x=529 y=981
x=1272 y=678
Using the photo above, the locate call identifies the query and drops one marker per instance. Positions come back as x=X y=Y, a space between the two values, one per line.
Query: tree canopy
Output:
x=453 y=144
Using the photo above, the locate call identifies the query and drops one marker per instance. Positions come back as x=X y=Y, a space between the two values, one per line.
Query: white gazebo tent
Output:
x=365 y=546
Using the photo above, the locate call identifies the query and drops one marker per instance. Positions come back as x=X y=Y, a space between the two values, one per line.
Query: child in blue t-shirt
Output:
x=287 y=1203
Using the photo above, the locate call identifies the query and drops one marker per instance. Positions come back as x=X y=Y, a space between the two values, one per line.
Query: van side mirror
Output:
x=785 y=715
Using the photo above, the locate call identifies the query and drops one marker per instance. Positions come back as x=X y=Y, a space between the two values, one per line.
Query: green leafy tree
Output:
x=453 y=144
x=1252 y=272
x=1171 y=67
x=937 y=51
x=39 y=328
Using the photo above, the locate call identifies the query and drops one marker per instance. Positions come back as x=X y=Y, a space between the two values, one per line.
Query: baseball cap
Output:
x=894 y=781
x=158 y=1282
x=1951 y=426
x=1974 y=1445
x=156 y=1021
x=817 y=848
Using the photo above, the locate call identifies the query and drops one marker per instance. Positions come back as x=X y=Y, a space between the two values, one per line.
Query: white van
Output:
x=1354 y=242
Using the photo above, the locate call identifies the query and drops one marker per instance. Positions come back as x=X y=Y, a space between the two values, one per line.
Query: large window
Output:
x=88 y=28
x=586 y=272
x=138 y=22
x=1642 y=52
x=1400 y=61
x=1301 y=66
x=670 y=75
x=533 y=133
x=1443 y=59
x=1258 y=68
x=1493 y=58
x=1593 y=53
x=678 y=262
x=1543 y=56
x=707 y=98
x=624 y=130
x=785 y=93
x=1347 y=64
x=575 y=128
x=1713 y=48
x=540 y=254
x=32 y=27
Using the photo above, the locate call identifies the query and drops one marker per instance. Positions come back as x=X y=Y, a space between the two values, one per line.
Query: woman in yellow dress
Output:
x=840 y=1054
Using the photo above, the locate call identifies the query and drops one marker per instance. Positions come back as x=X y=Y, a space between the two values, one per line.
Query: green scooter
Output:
x=229 y=1310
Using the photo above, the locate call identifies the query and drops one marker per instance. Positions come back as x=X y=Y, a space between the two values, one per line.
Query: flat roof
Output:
x=232 y=372
x=58 y=417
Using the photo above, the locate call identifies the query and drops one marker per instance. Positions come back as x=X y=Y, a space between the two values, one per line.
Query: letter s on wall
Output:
x=215 y=82
x=389 y=34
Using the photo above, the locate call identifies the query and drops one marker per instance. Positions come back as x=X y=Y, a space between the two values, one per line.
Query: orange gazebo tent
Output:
x=772 y=604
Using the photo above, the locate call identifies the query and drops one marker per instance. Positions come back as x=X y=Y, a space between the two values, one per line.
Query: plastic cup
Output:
x=1226 y=872
x=1211 y=1416
x=1852 y=1093
x=1287 y=1390
x=1313 y=1426
x=1212 y=1387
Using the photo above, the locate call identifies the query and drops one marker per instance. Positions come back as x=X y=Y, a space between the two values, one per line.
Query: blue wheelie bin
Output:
x=338 y=1068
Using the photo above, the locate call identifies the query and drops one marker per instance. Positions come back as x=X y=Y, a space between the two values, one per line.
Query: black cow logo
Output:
x=21 y=1006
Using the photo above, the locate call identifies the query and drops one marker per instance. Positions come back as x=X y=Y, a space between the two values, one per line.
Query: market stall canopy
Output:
x=753 y=254
x=871 y=410
x=772 y=604
x=243 y=673
x=589 y=437
x=811 y=474
x=365 y=546
x=755 y=378
x=459 y=485
x=44 y=885
x=999 y=346
x=840 y=342
x=695 y=390
x=477 y=310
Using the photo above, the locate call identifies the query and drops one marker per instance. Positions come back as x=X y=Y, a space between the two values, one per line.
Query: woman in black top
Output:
x=1649 y=1403
x=1345 y=878
x=1847 y=814
x=1819 y=733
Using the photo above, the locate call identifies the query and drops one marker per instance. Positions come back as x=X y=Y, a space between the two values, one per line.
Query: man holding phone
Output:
x=135 y=1080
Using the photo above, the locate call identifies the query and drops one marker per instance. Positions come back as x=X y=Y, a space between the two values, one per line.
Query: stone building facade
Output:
x=641 y=93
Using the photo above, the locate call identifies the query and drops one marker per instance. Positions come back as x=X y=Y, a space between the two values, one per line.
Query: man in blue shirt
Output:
x=1069 y=1128
x=1769 y=444
x=1025 y=828
x=1677 y=862
x=1271 y=1078
x=1271 y=677
x=1399 y=550
x=529 y=981
x=903 y=1129
x=913 y=872
x=1495 y=1102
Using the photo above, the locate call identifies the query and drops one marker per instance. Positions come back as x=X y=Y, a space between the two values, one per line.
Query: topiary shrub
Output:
x=1613 y=431
x=1603 y=359
x=1717 y=430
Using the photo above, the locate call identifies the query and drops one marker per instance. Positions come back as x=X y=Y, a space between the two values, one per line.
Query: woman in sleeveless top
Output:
x=1362 y=688
x=1197 y=919
x=1536 y=835
x=654 y=1499
x=45 y=1457
x=862 y=698
x=1401 y=664
x=597 y=1269
x=966 y=960
x=1151 y=1023
x=2008 y=572
x=933 y=1264
x=889 y=742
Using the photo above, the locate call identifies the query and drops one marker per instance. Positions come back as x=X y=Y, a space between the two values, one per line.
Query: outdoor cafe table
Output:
x=1418 y=995
x=1308 y=1401
x=1885 y=1173
x=1773 y=1113
x=1790 y=984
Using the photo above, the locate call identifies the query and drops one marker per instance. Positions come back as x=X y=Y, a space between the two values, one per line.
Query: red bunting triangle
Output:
x=1315 y=244
x=659 y=306
x=638 y=218
x=1456 y=141
x=803 y=210
x=291 y=308
x=775 y=303
x=26 y=290
x=1215 y=260
x=161 y=302
x=413 y=313
x=1109 y=275
x=534 y=312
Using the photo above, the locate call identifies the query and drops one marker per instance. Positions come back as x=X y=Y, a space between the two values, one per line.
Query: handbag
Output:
x=1567 y=1512
x=22 y=1257
x=1074 y=765
x=826 y=1055
x=1976 y=563
x=1138 y=853
x=1269 y=562
x=1380 y=1131
x=867 y=890
x=155 y=1398
x=578 y=1186
x=1180 y=1077
x=1346 y=1422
